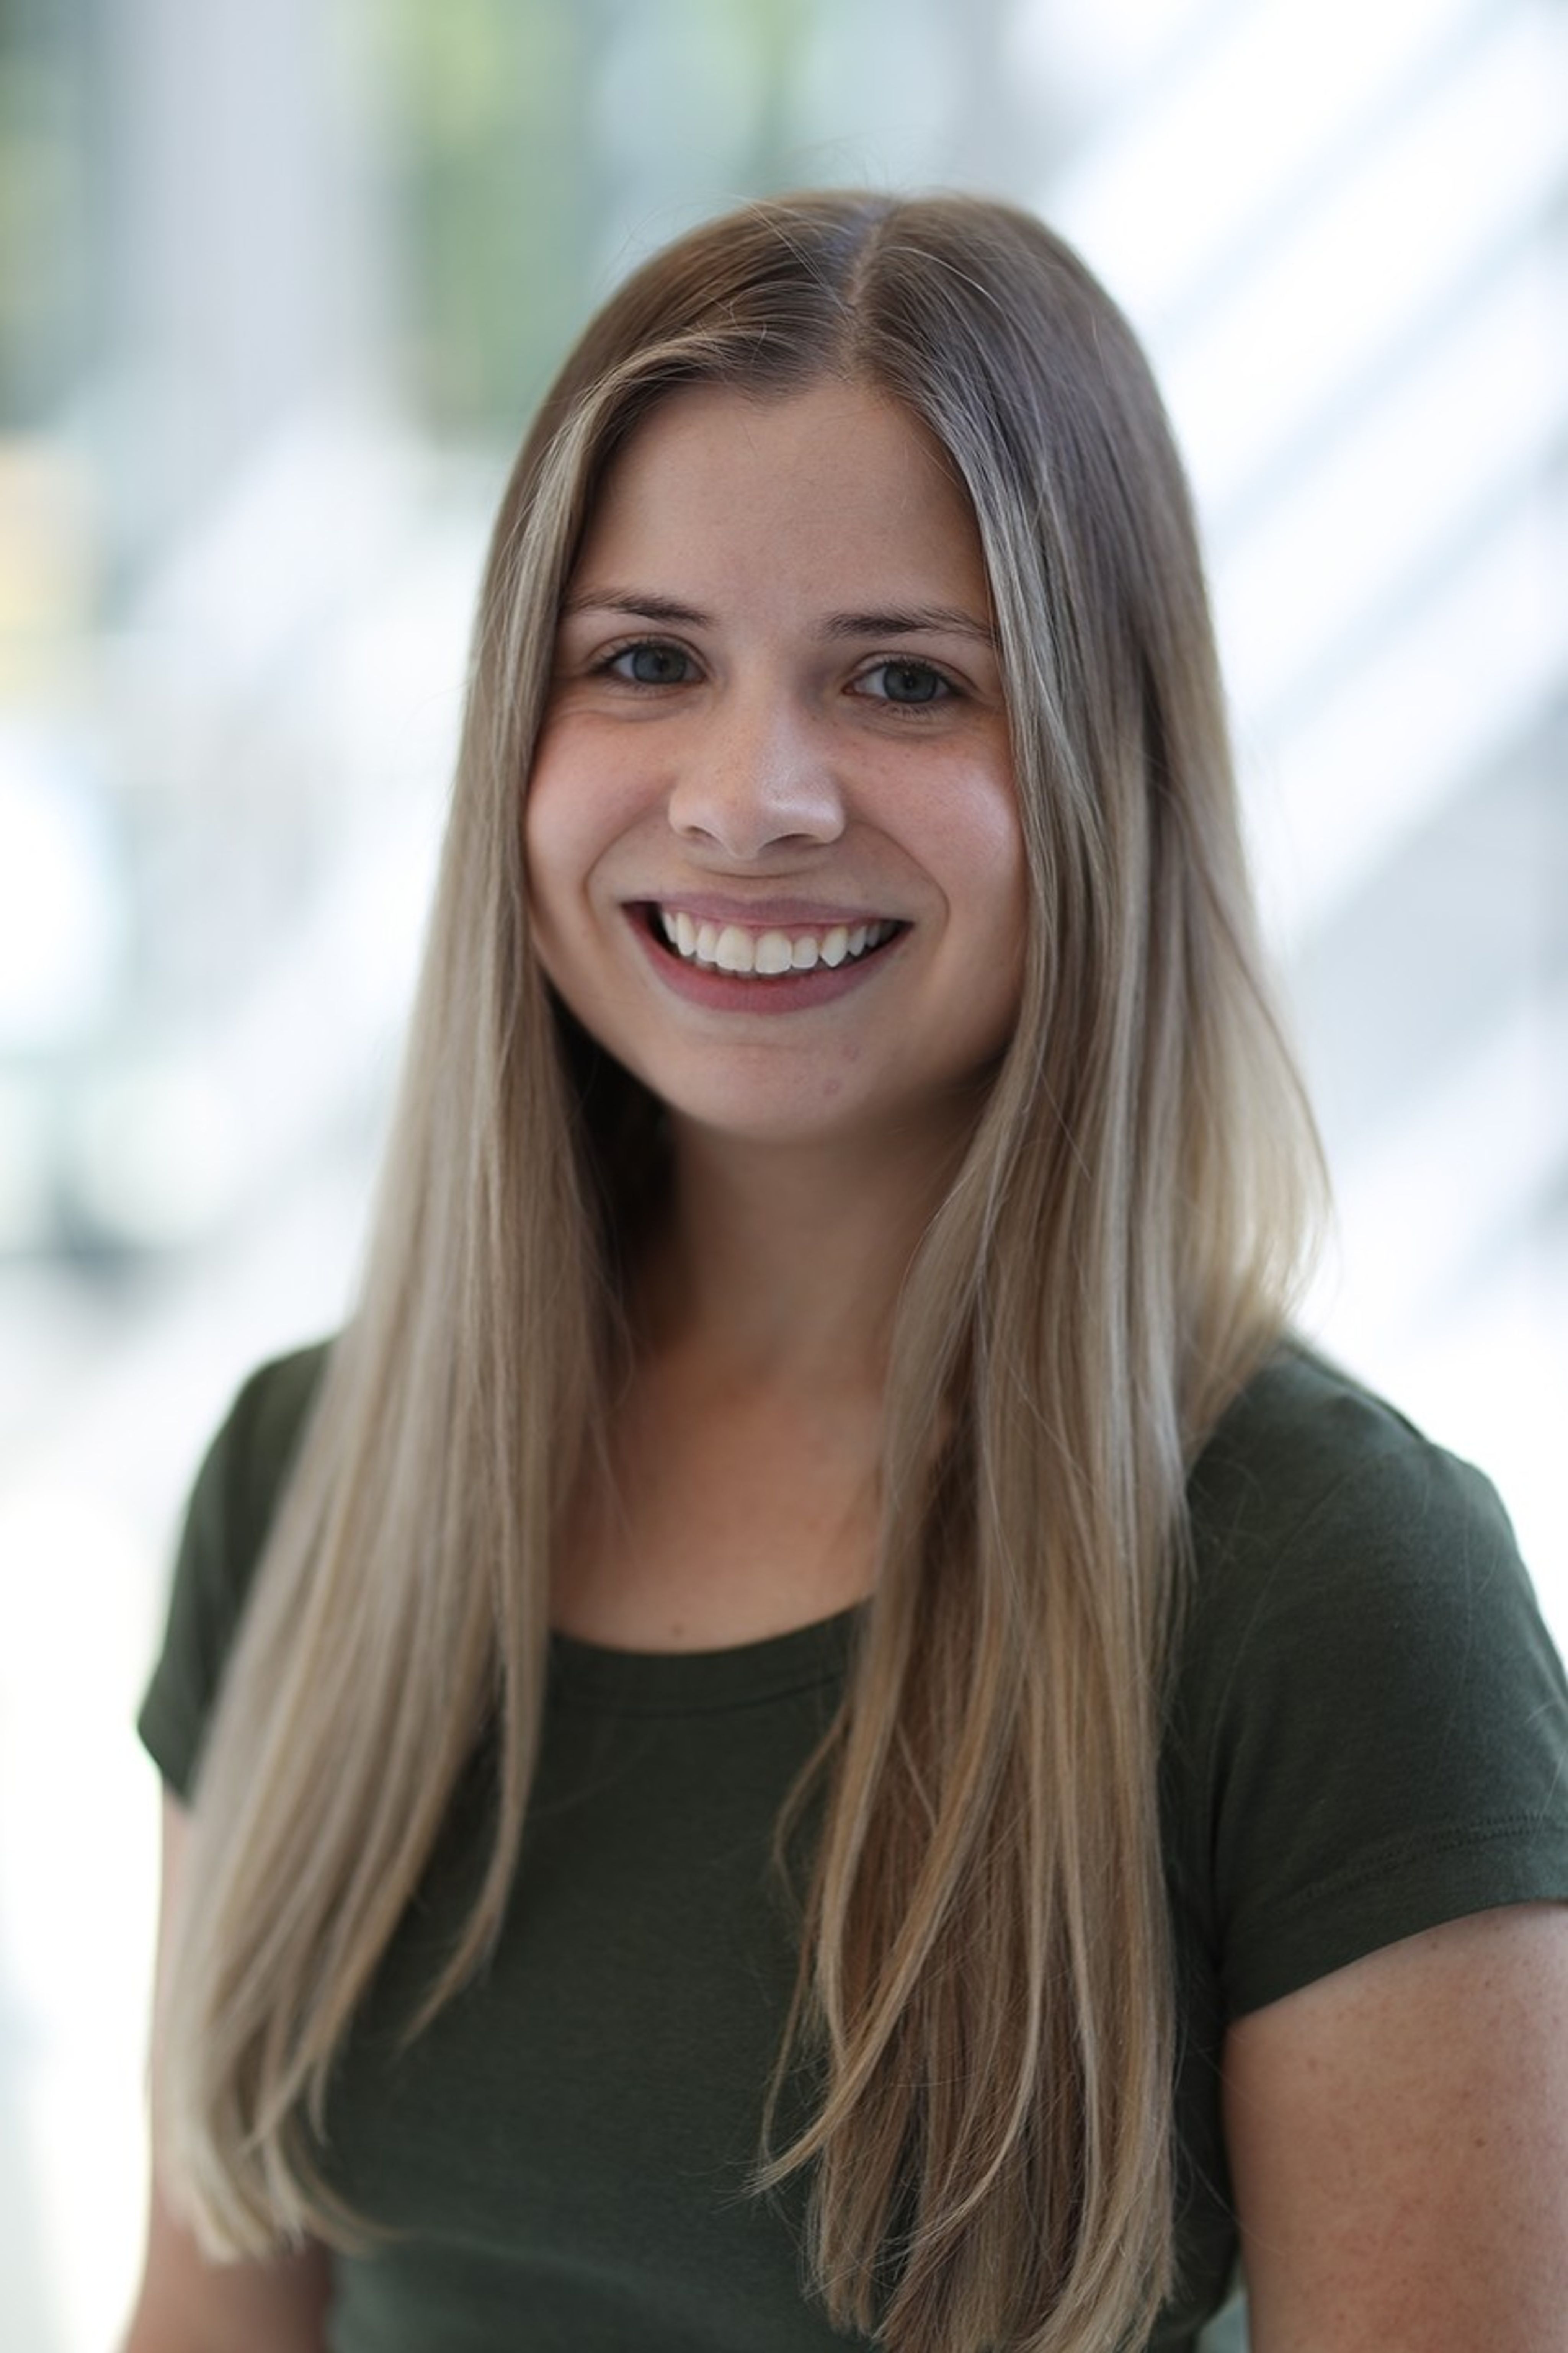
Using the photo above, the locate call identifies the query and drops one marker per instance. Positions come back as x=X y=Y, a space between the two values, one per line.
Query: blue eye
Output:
x=651 y=664
x=909 y=684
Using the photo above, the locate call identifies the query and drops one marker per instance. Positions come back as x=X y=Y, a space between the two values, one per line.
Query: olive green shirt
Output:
x=1369 y=1736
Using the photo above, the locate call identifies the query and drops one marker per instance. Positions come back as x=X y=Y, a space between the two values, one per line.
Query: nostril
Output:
x=761 y=811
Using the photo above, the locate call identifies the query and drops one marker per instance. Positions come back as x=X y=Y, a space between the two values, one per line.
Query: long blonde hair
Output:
x=984 y=1980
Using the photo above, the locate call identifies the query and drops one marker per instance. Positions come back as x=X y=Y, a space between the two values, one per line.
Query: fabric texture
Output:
x=1369 y=1736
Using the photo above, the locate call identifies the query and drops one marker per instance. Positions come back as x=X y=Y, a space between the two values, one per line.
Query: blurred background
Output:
x=277 y=287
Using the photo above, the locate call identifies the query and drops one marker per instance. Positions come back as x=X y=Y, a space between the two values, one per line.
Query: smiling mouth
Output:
x=752 y=954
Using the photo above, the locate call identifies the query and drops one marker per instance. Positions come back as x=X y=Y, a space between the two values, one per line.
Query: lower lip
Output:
x=784 y=992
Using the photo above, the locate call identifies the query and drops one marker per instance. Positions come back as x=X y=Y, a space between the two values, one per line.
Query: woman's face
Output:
x=774 y=858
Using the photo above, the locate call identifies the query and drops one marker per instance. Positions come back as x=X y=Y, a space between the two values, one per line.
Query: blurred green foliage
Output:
x=504 y=175
x=516 y=150
x=493 y=196
x=44 y=251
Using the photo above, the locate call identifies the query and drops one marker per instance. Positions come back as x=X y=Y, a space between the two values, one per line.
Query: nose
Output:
x=755 y=777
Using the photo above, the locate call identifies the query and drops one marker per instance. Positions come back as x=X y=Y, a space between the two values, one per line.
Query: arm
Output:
x=188 y=2305
x=1398 y=2137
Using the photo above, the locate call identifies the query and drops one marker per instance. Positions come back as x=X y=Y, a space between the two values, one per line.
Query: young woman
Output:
x=814 y=1724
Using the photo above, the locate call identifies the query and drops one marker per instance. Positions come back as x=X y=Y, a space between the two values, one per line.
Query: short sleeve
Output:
x=226 y=1524
x=1374 y=1718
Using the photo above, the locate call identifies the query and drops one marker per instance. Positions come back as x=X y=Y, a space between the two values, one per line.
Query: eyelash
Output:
x=948 y=691
x=608 y=666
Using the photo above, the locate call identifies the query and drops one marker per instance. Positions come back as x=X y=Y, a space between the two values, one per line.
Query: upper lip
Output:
x=764 y=914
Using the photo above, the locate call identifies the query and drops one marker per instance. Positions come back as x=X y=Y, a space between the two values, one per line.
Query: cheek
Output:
x=973 y=842
x=579 y=802
x=561 y=836
x=983 y=861
x=553 y=864
x=540 y=831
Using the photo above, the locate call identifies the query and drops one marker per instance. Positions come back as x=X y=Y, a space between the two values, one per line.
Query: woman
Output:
x=831 y=1731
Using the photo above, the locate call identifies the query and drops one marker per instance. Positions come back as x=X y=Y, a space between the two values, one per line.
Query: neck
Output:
x=783 y=1264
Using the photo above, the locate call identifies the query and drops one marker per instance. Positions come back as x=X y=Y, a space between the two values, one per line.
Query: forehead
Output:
x=834 y=477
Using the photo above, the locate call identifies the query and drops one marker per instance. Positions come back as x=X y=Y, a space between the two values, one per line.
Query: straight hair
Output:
x=985 y=1982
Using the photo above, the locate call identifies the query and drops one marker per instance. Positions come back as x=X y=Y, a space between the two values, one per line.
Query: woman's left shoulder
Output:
x=1304 y=1455
x=1368 y=1727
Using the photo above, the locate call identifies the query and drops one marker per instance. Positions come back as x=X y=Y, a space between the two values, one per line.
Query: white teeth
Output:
x=731 y=948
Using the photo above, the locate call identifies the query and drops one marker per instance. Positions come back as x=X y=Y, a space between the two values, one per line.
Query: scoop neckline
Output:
x=662 y=1681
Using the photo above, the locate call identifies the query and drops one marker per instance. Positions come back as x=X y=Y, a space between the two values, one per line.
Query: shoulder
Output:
x=1369 y=1728
x=261 y=1433
x=226 y=1522
x=1304 y=1438
x=238 y=1485
x=1315 y=1500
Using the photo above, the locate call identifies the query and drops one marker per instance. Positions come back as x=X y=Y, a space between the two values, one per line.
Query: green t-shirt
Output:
x=1369 y=1736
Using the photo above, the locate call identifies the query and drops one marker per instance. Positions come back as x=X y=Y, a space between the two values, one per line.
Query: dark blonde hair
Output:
x=984 y=1976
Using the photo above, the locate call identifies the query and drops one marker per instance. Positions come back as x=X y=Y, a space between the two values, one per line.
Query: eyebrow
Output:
x=889 y=621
